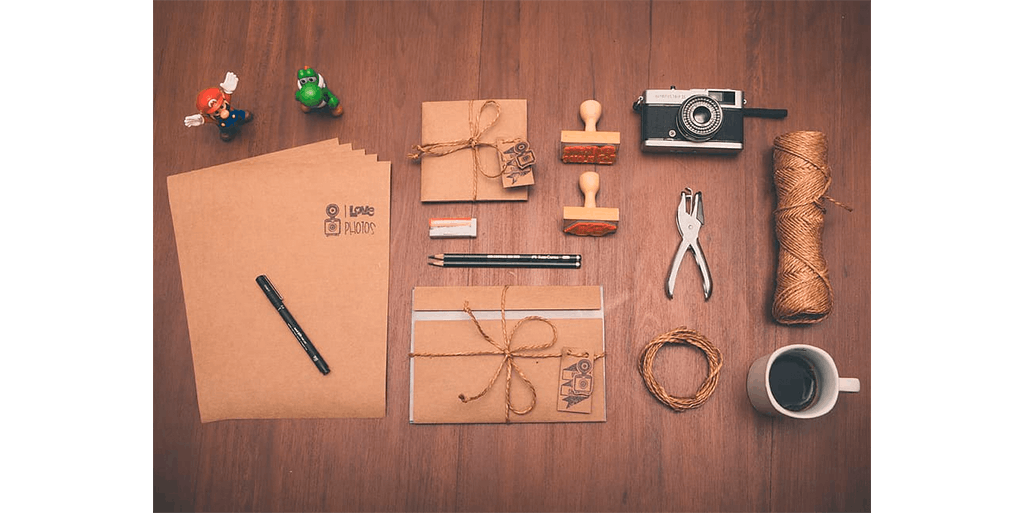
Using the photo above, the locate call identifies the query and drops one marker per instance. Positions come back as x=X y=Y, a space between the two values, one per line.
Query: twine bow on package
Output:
x=507 y=355
x=474 y=150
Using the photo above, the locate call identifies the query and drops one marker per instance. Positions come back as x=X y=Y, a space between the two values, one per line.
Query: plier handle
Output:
x=690 y=218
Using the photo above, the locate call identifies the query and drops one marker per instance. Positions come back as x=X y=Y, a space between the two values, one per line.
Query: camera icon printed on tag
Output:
x=516 y=161
x=577 y=383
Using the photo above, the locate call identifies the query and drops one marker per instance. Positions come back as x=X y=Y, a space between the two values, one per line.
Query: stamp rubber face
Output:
x=793 y=382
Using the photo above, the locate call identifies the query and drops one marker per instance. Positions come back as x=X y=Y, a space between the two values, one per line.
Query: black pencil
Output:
x=521 y=265
x=484 y=257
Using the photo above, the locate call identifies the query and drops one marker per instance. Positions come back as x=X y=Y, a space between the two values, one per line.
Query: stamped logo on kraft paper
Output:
x=349 y=220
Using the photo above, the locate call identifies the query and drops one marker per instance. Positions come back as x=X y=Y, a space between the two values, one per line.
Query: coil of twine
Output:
x=802 y=177
x=684 y=336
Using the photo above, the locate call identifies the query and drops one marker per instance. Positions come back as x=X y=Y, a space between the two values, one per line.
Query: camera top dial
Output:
x=700 y=117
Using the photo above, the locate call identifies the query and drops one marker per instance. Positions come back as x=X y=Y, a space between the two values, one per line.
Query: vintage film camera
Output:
x=695 y=120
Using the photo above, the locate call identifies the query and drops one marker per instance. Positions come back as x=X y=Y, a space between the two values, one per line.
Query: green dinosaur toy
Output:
x=313 y=93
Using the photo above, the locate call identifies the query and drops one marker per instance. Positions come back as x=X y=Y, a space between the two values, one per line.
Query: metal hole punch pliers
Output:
x=690 y=218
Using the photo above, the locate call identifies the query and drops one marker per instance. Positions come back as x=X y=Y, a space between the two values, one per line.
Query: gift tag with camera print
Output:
x=517 y=162
x=576 y=381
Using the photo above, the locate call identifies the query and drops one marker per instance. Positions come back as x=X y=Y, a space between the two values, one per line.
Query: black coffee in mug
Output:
x=792 y=382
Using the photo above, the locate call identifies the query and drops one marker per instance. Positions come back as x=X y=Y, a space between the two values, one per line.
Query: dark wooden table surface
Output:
x=384 y=59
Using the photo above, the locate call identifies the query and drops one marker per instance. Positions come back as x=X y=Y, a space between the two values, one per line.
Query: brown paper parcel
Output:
x=441 y=326
x=452 y=177
x=267 y=215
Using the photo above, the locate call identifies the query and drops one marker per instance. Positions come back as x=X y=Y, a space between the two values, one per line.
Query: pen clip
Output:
x=272 y=293
x=275 y=291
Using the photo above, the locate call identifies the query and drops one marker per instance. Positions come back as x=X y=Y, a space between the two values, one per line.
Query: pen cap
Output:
x=269 y=291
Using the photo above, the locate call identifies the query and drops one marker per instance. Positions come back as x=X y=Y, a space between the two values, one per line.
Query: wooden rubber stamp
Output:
x=590 y=220
x=589 y=146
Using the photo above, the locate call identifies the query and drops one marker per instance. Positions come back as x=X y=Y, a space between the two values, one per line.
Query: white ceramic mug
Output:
x=828 y=382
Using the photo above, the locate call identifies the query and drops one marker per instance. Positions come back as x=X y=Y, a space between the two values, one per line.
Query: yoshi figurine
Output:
x=313 y=93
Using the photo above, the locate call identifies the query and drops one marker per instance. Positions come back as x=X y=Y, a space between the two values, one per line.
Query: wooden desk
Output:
x=384 y=59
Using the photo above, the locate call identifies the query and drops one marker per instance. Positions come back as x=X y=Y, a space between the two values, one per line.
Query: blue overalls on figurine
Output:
x=214 y=104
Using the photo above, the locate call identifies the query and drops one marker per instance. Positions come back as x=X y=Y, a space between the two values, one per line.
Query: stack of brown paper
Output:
x=452 y=177
x=442 y=327
x=315 y=220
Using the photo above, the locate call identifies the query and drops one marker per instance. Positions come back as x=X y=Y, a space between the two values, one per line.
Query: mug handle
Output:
x=849 y=384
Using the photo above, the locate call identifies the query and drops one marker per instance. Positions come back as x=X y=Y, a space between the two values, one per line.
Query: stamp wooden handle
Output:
x=589 y=182
x=591 y=111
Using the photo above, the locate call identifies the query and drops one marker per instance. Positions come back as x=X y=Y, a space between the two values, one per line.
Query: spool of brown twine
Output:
x=802 y=177
x=686 y=336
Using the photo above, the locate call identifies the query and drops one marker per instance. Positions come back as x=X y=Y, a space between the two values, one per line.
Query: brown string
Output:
x=508 y=362
x=802 y=177
x=681 y=335
x=439 y=149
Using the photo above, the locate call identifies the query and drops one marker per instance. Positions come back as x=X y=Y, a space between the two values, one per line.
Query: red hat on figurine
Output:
x=209 y=100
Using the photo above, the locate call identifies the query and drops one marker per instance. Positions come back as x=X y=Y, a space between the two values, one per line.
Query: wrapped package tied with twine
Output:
x=507 y=354
x=802 y=177
x=456 y=137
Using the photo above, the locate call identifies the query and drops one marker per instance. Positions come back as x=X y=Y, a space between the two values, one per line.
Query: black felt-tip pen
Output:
x=290 y=321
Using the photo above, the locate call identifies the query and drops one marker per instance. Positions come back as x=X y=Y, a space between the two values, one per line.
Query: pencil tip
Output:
x=433 y=262
x=436 y=256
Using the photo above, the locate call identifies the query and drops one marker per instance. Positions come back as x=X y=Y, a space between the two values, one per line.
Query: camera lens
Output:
x=700 y=117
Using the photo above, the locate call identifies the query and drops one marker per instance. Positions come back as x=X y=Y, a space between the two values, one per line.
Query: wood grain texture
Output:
x=383 y=59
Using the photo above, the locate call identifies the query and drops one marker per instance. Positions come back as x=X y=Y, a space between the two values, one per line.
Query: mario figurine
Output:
x=214 y=105
x=313 y=93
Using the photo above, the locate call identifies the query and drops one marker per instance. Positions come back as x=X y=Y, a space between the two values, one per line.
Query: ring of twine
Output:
x=509 y=354
x=440 y=149
x=683 y=336
x=802 y=177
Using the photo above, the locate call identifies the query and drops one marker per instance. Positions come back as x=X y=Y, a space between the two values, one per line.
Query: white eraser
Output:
x=452 y=227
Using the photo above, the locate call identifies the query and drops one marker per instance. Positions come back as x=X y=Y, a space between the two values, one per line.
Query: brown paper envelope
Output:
x=266 y=215
x=437 y=382
x=450 y=177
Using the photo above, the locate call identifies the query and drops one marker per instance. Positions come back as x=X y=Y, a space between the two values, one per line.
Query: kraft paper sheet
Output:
x=267 y=215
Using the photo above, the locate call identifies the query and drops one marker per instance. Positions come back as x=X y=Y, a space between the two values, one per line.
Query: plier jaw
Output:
x=690 y=218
